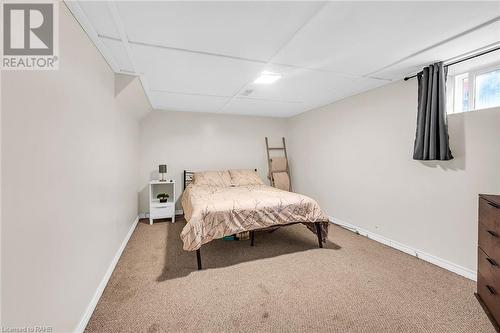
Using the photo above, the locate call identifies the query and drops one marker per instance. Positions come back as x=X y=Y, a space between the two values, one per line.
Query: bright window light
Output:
x=487 y=90
x=477 y=89
x=267 y=78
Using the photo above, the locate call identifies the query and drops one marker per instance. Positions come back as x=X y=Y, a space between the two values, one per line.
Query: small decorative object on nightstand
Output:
x=161 y=200
x=163 y=197
x=162 y=169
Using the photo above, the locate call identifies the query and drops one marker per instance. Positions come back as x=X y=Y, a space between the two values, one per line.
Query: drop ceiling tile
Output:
x=362 y=37
x=249 y=29
x=490 y=60
x=191 y=103
x=98 y=14
x=255 y=107
x=346 y=40
x=309 y=86
x=478 y=39
x=349 y=88
x=186 y=72
x=119 y=54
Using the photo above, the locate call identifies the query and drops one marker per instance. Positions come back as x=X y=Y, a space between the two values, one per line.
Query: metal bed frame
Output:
x=188 y=178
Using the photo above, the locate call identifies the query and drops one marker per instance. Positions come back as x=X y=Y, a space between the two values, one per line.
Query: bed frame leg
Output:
x=198 y=258
x=252 y=238
x=318 y=233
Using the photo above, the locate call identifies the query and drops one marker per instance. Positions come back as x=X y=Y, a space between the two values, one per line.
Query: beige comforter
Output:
x=214 y=212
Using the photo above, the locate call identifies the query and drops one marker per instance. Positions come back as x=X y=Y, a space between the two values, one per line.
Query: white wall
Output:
x=200 y=141
x=1 y=246
x=69 y=191
x=355 y=158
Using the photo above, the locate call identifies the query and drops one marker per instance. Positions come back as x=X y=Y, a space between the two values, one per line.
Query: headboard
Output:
x=188 y=177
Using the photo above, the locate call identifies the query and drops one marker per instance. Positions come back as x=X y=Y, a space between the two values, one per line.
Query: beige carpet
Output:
x=283 y=284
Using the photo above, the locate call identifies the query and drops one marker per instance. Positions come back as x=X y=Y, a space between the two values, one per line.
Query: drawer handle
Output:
x=494 y=205
x=491 y=290
x=492 y=262
x=494 y=234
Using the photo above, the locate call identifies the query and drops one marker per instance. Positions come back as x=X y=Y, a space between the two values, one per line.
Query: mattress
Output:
x=213 y=212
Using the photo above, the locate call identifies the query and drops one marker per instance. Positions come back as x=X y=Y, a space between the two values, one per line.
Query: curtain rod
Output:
x=461 y=60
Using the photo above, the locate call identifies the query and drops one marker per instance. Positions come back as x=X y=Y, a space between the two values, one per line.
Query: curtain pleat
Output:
x=431 y=138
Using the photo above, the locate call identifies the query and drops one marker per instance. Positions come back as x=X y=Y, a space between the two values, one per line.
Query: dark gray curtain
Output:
x=431 y=139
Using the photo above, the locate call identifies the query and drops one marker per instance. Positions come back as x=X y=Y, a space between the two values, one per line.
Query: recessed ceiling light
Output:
x=267 y=77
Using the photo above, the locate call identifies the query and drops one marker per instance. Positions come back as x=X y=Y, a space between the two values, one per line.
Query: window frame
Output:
x=471 y=75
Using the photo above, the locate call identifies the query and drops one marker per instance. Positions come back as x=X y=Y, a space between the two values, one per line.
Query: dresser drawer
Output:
x=489 y=241
x=489 y=215
x=488 y=267
x=489 y=293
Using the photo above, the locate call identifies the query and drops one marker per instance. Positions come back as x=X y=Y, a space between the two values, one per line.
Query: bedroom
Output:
x=135 y=92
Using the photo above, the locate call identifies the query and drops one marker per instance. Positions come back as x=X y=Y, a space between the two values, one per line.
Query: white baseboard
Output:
x=460 y=270
x=97 y=295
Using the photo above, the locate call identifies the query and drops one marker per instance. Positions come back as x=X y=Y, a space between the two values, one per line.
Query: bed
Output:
x=222 y=205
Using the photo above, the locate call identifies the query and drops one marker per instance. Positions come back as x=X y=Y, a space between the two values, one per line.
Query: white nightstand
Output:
x=157 y=209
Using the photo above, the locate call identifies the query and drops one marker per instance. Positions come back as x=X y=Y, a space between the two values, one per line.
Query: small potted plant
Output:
x=163 y=197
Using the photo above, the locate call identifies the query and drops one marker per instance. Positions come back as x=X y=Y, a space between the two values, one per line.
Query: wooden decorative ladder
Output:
x=283 y=149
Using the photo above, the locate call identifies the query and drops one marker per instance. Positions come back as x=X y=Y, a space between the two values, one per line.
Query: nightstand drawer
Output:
x=156 y=204
x=162 y=211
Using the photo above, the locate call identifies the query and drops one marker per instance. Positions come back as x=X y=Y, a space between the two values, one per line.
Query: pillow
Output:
x=245 y=177
x=212 y=178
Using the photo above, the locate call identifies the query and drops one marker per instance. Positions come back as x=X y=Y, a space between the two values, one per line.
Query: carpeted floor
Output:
x=283 y=284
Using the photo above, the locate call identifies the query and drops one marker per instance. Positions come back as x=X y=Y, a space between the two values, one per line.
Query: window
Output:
x=474 y=90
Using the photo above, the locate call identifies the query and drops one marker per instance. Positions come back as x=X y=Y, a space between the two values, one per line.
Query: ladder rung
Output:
x=276 y=148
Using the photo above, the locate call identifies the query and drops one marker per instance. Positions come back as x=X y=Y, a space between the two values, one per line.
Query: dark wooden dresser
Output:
x=488 y=261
